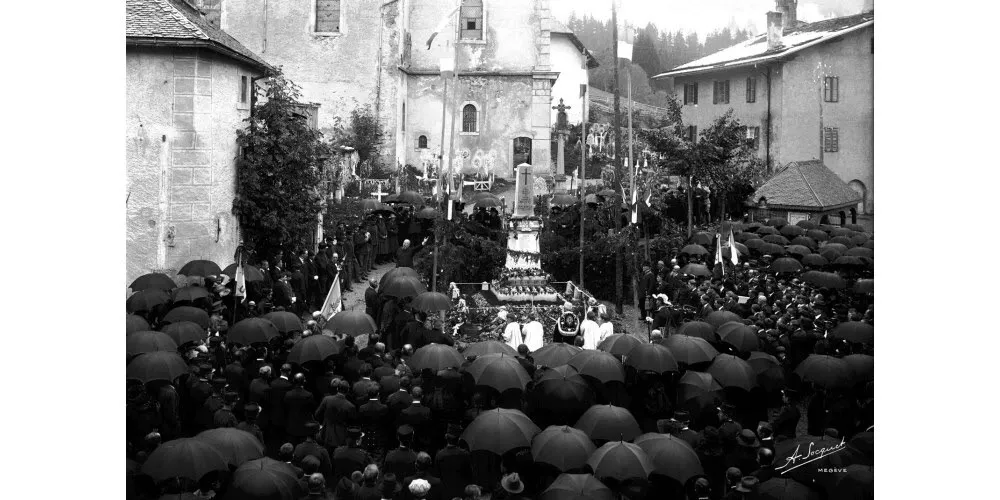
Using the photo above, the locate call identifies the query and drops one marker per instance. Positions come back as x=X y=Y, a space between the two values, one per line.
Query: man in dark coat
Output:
x=452 y=464
x=404 y=256
x=399 y=461
x=259 y=393
x=276 y=401
x=282 y=293
x=249 y=423
x=787 y=421
x=374 y=417
x=400 y=399
x=350 y=457
x=310 y=447
x=363 y=387
x=418 y=416
x=299 y=287
x=361 y=248
x=372 y=303
x=299 y=407
x=422 y=470
x=336 y=413
x=647 y=287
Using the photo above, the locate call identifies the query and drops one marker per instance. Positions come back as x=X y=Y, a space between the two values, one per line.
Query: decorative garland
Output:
x=508 y=274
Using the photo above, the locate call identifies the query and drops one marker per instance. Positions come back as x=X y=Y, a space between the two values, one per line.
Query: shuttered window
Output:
x=831 y=89
x=471 y=19
x=327 y=16
x=692 y=133
x=751 y=89
x=720 y=92
x=831 y=139
x=691 y=93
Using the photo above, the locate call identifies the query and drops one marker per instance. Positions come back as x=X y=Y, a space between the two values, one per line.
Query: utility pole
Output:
x=616 y=211
x=583 y=165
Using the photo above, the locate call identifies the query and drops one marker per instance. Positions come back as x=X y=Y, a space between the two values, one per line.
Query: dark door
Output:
x=522 y=152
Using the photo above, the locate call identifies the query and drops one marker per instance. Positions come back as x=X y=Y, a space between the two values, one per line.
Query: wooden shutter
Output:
x=327 y=16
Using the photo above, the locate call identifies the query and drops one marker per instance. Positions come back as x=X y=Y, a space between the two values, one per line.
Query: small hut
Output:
x=805 y=190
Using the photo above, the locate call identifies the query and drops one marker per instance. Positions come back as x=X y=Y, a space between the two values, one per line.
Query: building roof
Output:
x=175 y=23
x=754 y=50
x=806 y=185
x=559 y=28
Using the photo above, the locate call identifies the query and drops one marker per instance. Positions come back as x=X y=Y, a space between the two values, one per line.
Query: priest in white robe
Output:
x=532 y=333
x=591 y=331
x=512 y=334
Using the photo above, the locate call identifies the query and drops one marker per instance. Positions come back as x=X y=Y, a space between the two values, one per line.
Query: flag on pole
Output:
x=443 y=23
x=624 y=50
x=718 y=253
x=635 y=195
x=241 y=283
x=333 y=303
x=733 y=252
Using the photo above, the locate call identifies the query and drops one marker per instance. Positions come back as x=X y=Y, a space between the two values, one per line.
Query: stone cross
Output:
x=379 y=193
x=524 y=198
x=561 y=121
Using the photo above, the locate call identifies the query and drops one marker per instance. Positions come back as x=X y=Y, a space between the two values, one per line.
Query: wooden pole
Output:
x=618 y=155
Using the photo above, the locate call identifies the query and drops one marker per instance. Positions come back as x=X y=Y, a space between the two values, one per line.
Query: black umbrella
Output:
x=843 y=240
x=499 y=372
x=817 y=234
x=313 y=348
x=285 y=321
x=427 y=213
x=607 y=193
x=770 y=374
x=719 y=318
x=252 y=331
x=701 y=238
x=770 y=249
x=599 y=365
x=618 y=344
x=671 y=456
x=830 y=254
x=609 y=423
x=766 y=230
x=792 y=231
x=200 y=268
x=494 y=347
x=738 y=335
x=397 y=272
x=698 y=329
x=777 y=239
x=777 y=222
x=731 y=371
x=840 y=231
x=824 y=280
x=869 y=244
x=833 y=245
x=754 y=243
x=577 y=487
x=563 y=447
x=865 y=286
x=694 y=249
x=696 y=270
x=621 y=461
x=370 y=204
x=555 y=354
x=689 y=350
x=785 y=265
x=158 y=281
x=190 y=293
x=435 y=357
x=562 y=391
x=697 y=391
x=744 y=237
x=807 y=224
x=403 y=286
x=798 y=250
x=250 y=273
x=825 y=371
x=146 y=300
x=135 y=323
x=431 y=302
x=183 y=332
x=854 y=331
x=143 y=342
x=857 y=483
x=651 y=358
x=353 y=323
x=564 y=200
x=500 y=431
x=195 y=315
x=411 y=197
x=782 y=488
x=805 y=241
x=814 y=260
x=862 y=367
x=265 y=479
x=159 y=365
x=237 y=446
x=189 y=458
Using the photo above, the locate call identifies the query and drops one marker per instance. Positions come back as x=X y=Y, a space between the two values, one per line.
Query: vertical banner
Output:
x=333 y=303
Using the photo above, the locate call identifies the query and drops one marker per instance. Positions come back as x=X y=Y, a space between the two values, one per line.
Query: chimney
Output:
x=774 y=30
x=788 y=10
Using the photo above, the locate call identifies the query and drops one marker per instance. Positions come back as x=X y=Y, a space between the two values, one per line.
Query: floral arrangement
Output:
x=508 y=274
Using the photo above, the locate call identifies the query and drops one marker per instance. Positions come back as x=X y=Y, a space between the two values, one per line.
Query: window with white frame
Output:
x=327 y=16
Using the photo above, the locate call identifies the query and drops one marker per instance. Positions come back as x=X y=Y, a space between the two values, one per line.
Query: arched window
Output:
x=422 y=142
x=470 y=119
x=859 y=187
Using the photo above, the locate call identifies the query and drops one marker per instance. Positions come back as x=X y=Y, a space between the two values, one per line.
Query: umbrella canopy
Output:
x=741 y=248
x=770 y=249
x=621 y=461
x=731 y=371
x=158 y=365
x=694 y=249
x=833 y=245
x=499 y=372
x=777 y=239
x=719 y=318
x=781 y=488
x=855 y=227
x=807 y=224
x=858 y=483
x=698 y=329
x=313 y=348
x=563 y=390
x=265 y=479
x=183 y=332
x=403 y=286
x=777 y=222
x=738 y=335
x=792 y=231
x=189 y=458
x=832 y=281
x=392 y=198
x=770 y=374
x=143 y=342
x=651 y=358
x=698 y=390
x=564 y=200
x=817 y=234
x=146 y=300
x=411 y=197
x=431 y=302
x=491 y=347
x=785 y=265
x=599 y=365
x=609 y=423
x=577 y=487
x=427 y=213
x=865 y=286
x=689 y=350
x=754 y=243
x=814 y=260
x=158 y=281
x=618 y=344
x=396 y=272
x=200 y=268
x=860 y=238
x=860 y=252
x=840 y=231
x=135 y=323
x=195 y=315
x=500 y=431
x=744 y=237
x=766 y=230
x=805 y=241
x=854 y=331
x=250 y=273
x=671 y=456
x=252 y=331
x=825 y=371
x=701 y=238
x=830 y=254
x=862 y=367
x=849 y=261
x=285 y=321
x=696 y=270
x=190 y=293
x=236 y=446
x=563 y=447
x=869 y=244
x=798 y=250
x=555 y=354
x=846 y=241
x=435 y=357
x=489 y=202
x=353 y=323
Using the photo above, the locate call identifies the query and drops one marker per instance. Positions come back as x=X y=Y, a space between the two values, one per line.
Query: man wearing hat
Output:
x=512 y=484
x=684 y=432
x=729 y=429
x=422 y=468
x=258 y=393
x=744 y=490
x=276 y=401
x=452 y=463
x=249 y=423
x=350 y=457
x=400 y=460
x=373 y=304
x=744 y=456
x=311 y=447
x=647 y=287
x=389 y=488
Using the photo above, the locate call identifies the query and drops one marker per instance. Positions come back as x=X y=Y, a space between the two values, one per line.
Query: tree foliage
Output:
x=278 y=170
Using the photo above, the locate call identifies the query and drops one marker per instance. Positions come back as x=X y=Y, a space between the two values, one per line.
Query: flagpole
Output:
x=583 y=166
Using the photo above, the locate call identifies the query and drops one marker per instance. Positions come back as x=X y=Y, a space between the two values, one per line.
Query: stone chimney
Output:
x=774 y=30
x=788 y=10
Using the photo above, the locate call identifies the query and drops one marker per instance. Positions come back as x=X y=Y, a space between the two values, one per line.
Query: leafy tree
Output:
x=278 y=170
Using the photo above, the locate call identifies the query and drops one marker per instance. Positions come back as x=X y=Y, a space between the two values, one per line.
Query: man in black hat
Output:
x=311 y=447
x=389 y=487
x=744 y=457
x=787 y=421
x=647 y=287
x=299 y=407
x=350 y=457
x=373 y=304
x=399 y=461
x=335 y=412
x=680 y=430
x=744 y=490
x=213 y=403
x=418 y=416
x=422 y=470
x=452 y=464
x=249 y=423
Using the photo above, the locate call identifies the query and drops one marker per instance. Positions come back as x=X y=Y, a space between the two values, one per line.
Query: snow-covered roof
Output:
x=754 y=50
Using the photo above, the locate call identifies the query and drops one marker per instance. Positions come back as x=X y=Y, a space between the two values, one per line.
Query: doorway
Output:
x=522 y=153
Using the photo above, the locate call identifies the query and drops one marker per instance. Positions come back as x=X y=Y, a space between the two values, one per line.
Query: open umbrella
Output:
x=744 y=237
x=200 y=268
x=865 y=286
x=731 y=371
x=621 y=461
x=396 y=272
x=697 y=390
x=158 y=365
x=738 y=335
x=754 y=243
x=313 y=348
x=431 y=302
x=143 y=342
x=814 y=260
x=189 y=458
x=236 y=446
x=353 y=323
x=252 y=331
x=265 y=479
x=846 y=241
x=785 y=265
x=500 y=431
x=135 y=323
x=492 y=347
x=577 y=487
x=701 y=238
x=777 y=222
x=183 y=332
x=830 y=254
x=824 y=280
x=771 y=249
x=719 y=318
x=694 y=249
x=782 y=488
x=285 y=321
x=435 y=357
x=847 y=261
x=740 y=248
x=563 y=391
x=195 y=315
x=817 y=234
x=411 y=197
x=777 y=239
x=858 y=483
x=563 y=447
x=618 y=344
x=862 y=367
x=839 y=247
x=791 y=231
x=427 y=213
x=807 y=224
x=651 y=358
x=766 y=230
x=770 y=374
x=854 y=331
x=499 y=372
x=671 y=456
x=250 y=273
x=555 y=354
x=146 y=300
x=599 y=365
x=870 y=244
x=609 y=423
x=840 y=231
x=696 y=270
x=190 y=294
x=825 y=371
x=860 y=252
x=698 y=329
x=805 y=241
x=798 y=250
x=158 y=281
x=403 y=286
x=689 y=350
x=564 y=200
